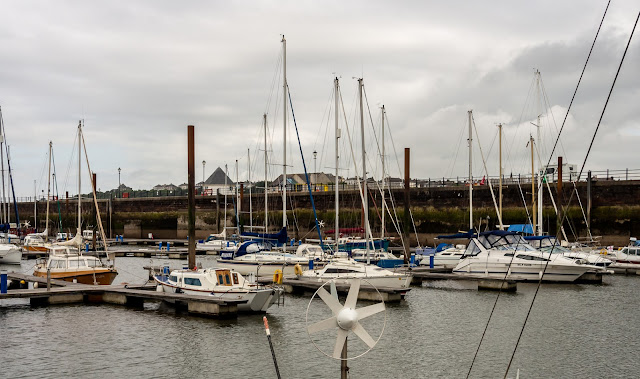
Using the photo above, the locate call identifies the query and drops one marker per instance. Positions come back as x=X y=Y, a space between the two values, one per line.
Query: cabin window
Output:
x=92 y=263
x=74 y=263
x=62 y=263
x=173 y=278
x=192 y=281
x=508 y=254
x=472 y=249
x=220 y=279
x=227 y=279
x=235 y=278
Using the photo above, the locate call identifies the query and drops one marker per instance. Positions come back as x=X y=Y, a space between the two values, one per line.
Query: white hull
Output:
x=258 y=269
x=11 y=256
x=257 y=300
x=396 y=282
x=520 y=271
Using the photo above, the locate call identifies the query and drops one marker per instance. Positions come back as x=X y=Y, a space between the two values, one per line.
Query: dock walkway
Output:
x=62 y=292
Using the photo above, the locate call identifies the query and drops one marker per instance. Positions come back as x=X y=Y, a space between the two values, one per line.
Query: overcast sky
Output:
x=138 y=72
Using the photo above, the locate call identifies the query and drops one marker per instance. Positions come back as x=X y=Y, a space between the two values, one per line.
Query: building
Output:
x=216 y=181
x=165 y=187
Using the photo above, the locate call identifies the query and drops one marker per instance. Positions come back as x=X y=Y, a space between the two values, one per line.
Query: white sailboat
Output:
x=10 y=253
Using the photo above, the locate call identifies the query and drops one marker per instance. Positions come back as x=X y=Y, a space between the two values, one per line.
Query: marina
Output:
x=361 y=190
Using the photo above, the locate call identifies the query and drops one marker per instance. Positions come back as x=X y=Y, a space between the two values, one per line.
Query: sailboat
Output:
x=66 y=261
x=9 y=252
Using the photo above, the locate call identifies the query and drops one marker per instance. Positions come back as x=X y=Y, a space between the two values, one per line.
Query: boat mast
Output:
x=249 y=185
x=46 y=227
x=500 y=179
x=365 y=202
x=79 y=232
x=540 y=192
x=266 y=205
x=5 y=217
x=284 y=139
x=237 y=201
x=533 y=188
x=226 y=189
x=337 y=180
x=35 y=206
x=470 y=172
x=384 y=177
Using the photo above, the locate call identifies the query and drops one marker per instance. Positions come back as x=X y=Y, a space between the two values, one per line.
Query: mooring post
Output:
x=560 y=198
x=407 y=219
x=344 y=369
x=192 y=196
x=3 y=281
x=48 y=279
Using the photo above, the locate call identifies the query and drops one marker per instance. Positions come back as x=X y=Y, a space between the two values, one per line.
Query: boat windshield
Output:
x=501 y=241
x=543 y=242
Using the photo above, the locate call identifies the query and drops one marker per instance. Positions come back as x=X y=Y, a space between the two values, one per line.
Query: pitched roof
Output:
x=218 y=177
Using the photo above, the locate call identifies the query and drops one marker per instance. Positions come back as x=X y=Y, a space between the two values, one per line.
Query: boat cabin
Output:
x=497 y=240
x=631 y=250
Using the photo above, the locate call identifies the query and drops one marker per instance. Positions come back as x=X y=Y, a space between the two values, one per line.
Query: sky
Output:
x=139 y=72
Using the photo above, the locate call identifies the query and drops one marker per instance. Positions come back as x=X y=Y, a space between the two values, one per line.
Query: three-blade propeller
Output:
x=345 y=317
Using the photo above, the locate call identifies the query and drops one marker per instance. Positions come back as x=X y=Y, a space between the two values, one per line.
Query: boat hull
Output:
x=258 y=300
x=258 y=269
x=395 y=282
x=98 y=276
x=12 y=256
x=521 y=271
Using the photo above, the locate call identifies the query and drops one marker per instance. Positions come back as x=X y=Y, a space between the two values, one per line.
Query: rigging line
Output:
x=375 y=135
x=553 y=118
x=274 y=80
x=524 y=202
x=582 y=209
x=564 y=213
x=519 y=122
x=484 y=163
x=452 y=164
x=495 y=303
x=608 y=97
x=580 y=80
x=313 y=205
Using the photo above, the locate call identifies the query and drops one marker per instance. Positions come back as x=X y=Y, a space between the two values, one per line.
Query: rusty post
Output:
x=192 y=196
x=407 y=219
x=560 y=199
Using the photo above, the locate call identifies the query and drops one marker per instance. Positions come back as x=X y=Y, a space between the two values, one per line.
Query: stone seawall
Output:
x=615 y=211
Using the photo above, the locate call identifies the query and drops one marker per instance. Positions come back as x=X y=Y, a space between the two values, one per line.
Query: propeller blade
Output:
x=352 y=297
x=370 y=310
x=334 y=291
x=322 y=325
x=364 y=336
x=331 y=302
x=342 y=337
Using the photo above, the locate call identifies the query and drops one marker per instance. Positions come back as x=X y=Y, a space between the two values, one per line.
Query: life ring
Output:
x=297 y=269
x=277 y=276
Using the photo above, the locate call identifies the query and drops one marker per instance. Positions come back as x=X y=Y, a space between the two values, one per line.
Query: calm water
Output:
x=574 y=331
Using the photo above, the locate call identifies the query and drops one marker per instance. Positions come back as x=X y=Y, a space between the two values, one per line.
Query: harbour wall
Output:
x=614 y=213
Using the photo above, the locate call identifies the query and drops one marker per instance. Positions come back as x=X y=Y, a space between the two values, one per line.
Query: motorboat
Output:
x=380 y=258
x=260 y=258
x=549 y=244
x=506 y=255
x=69 y=264
x=10 y=253
x=34 y=242
x=627 y=258
x=446 y=256
x=342 y=270
x=220 y=283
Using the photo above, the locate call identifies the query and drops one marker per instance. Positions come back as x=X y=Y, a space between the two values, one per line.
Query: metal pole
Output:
x=560 y=198
x=119 y=185
x=500 y=180
x=533 y=189
x=589 y=182
x=226 y=189
x=203 y=165
x=266 y=187
x=249 y=185
x=344 y=369
x=407 y=219
x=337 y=180
x=470 y=139
x=365 y=193
x=384 y=176
x=192 y=197
x=284 y=138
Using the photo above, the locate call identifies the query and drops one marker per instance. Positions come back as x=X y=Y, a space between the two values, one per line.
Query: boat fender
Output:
x=277 y=277
x=297 y=269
